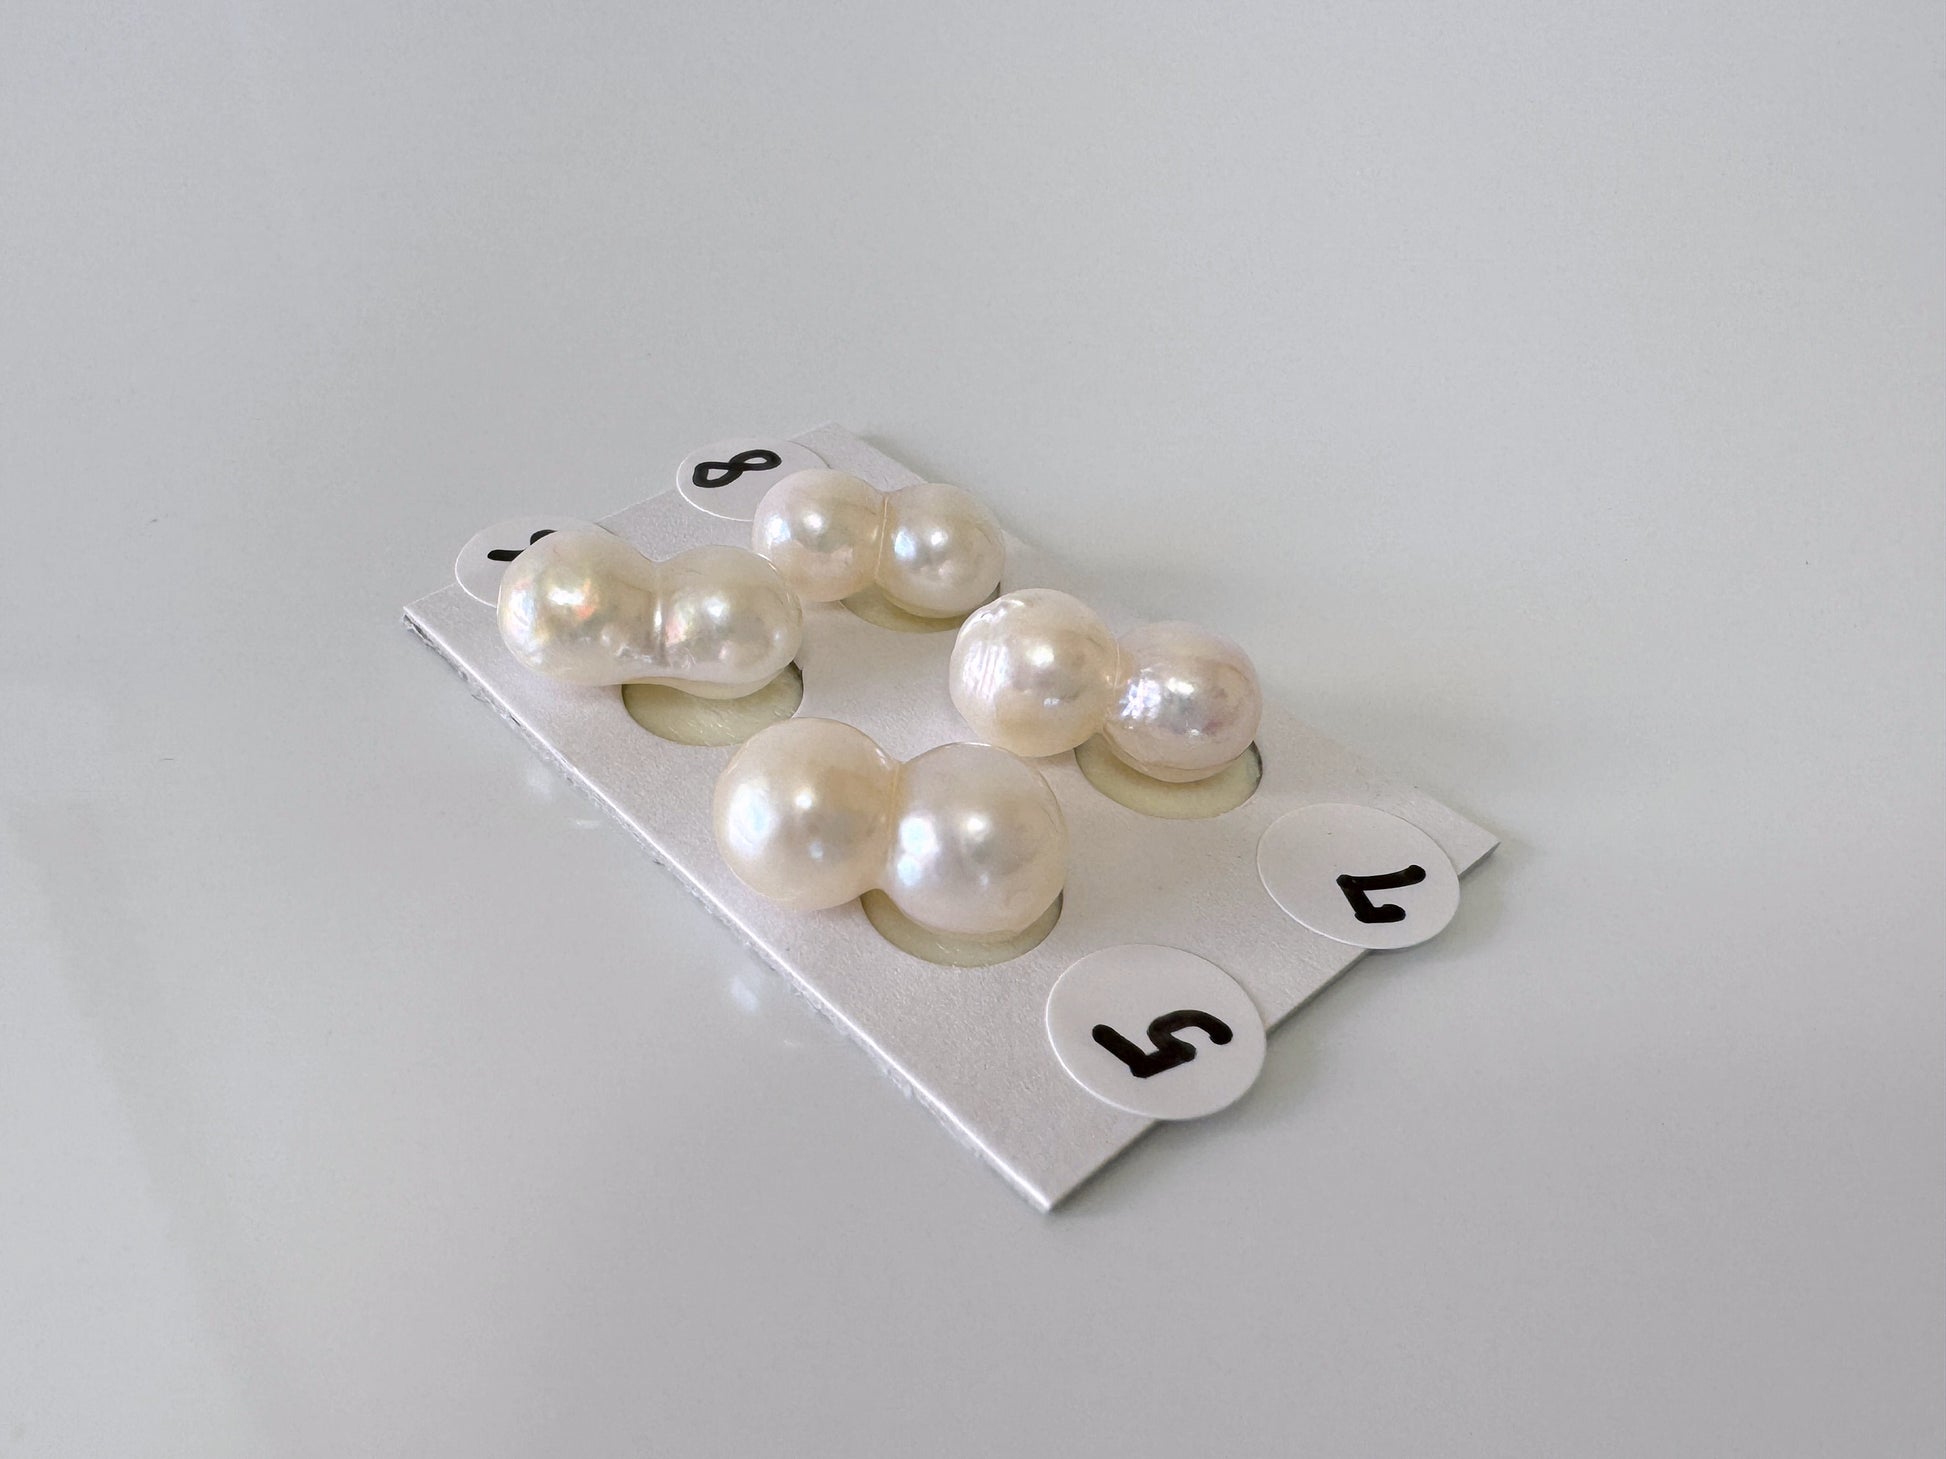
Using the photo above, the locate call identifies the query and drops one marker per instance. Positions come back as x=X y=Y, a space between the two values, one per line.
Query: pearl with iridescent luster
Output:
x=965 y=839
x=1037 y=672
x=933 y=550
x=803 y=812
x=1034 y=671
x=587 y=608
x=1188 y=702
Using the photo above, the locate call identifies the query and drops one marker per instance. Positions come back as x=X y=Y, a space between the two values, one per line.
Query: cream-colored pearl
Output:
x=1189 y=702
x=965 y=839
x=587 y=608
x=820 y=531
x=933 y=550
x=1034 y=671
x=941 y=552
x=980 y=847
x=803 y=812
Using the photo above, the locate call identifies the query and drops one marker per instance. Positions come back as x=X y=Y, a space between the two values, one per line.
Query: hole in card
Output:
x=950 y=951
x=881 y=612
x=1197 y=800
x=687 y=719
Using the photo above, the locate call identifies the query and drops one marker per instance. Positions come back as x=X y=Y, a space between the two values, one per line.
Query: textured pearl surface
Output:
x=980 y=847
x=587 y=608
x=1034 y=671
x=941 y=552
x=933 y=550
x=1189 y=702
x=819 y=529
x=803 y=812
x=965 y=839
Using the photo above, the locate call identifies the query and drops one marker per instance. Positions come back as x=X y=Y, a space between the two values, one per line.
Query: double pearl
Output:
x=587 y=608
x=1037 y=672
x=966 y=840
x=933 y=550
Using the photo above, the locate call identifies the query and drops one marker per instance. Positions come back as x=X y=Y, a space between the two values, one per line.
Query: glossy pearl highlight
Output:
x=966 y=840
x=819 y=529
x=1037 y=672
x=980 y=848
x=931 y=549
x=587 y=608
x=1034 y=671
x=803 y=813
x=1188 y=703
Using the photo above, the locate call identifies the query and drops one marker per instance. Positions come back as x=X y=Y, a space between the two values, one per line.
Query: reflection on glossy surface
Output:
x=965 y=839
x=587 y=608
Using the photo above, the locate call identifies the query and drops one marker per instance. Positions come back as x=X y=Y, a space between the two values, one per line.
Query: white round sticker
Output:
x=728 y=478
x=483 y=561
x=1358 y=875
x=1156 y=1031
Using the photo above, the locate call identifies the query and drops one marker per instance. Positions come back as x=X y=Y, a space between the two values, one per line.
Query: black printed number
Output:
x=708 y=475
x=1169 y=1051
x=1362 y=906
x=508 y=554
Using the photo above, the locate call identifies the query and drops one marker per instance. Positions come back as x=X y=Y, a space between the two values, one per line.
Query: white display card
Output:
x=972 y=1043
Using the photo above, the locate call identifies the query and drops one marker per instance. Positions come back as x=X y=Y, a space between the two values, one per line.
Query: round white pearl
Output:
x=820 y=530
x=979 y=848
x=940 y=552
x=803 y=812
x=1034 y=671
x=587 y=608
x=1189 y=702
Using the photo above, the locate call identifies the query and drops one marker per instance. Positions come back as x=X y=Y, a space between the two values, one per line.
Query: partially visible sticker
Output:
x=483 y=561
x=1156 y=1031
x=728 y=478
x=1358 y=875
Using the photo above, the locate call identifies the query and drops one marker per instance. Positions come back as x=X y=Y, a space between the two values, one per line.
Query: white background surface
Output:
x=1550 y=396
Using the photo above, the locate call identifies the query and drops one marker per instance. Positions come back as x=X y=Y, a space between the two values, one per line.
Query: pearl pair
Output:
x=966 y=840
x=933 y=550
x=1037 y=672
x=586 y=608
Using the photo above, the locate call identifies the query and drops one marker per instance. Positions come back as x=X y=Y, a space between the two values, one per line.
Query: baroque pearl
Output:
x=587 y=608
x=819 y=529
x=1034 y=671
x=1037 y=672
x=965 y=839
x=1188 y=703
x=933 y=550
x=980 y=847
x=803 y=812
